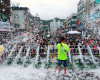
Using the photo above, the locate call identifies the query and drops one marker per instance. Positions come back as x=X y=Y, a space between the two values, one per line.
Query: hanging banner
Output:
x=79 y=22
x=11 y=19
x=95 y=16
x=4 y=25
x=67 y=25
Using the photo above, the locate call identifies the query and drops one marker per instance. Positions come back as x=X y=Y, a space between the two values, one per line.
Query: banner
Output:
x=11 y=19
x=4 y=25
x=5 y=29
x=70 y=23
x=67 y=25
x=79 y=22
x=94 y=16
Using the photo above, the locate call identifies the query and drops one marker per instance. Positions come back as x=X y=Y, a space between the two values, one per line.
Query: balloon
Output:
x=1 y=49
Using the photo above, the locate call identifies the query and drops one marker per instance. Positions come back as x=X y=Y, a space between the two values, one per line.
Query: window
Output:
x=74 y=17
x=92 y=5
x=17 y=25
x=73 y=22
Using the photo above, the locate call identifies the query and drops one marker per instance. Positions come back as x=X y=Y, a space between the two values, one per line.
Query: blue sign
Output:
x=70 y=23
x=94 y=16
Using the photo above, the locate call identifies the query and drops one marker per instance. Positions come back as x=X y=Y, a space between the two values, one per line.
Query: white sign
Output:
x=5 y=29
x=4 y=25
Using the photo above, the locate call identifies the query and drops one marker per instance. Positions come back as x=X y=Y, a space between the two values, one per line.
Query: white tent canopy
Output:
x=25 y=39
x=73 y=32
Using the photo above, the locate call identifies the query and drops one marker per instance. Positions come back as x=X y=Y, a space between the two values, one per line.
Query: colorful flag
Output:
x=67 y=25
x=79 y=22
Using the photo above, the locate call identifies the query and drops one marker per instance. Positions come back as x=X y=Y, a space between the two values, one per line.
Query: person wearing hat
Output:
x=63 y=49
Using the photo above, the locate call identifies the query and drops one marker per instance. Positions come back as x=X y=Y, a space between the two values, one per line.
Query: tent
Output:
x=25 y=39
x=73 y=32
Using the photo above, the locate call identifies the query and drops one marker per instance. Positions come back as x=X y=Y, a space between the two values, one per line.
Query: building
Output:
x=21 y=18
x=37 y=23
x=71 y=22
x=5 y=10
x=55 y=24
x=81 y=13
x=41 y=24
x=94 y=18
x=94 y=11
x=5 y=13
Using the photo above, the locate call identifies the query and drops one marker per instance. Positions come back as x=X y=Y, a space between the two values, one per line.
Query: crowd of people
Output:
x=48 y=39
x=73 y=40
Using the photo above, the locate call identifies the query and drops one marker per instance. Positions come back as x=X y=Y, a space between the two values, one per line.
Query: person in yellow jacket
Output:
x=63 y=49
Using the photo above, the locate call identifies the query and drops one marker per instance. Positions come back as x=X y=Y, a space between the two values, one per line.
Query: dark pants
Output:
x=65 y=62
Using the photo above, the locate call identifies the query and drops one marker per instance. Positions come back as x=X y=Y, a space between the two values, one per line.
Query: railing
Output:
x=48 y=53
x=69 y=54
x=37 y=55
x=27 y=54
x=12 y=50
x=90 y=52
x=19 y=53
x=81 y=57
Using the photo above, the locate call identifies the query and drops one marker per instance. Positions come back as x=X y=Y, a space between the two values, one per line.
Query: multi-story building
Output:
x=94 y=18
x=94 y=10
x=4 y=17
x=41 y=24
x=72 y=22
x=21 y=18
x=37 y=23
x=55 y=24
x=81 y=13
x=5 y=10
x=89 y=15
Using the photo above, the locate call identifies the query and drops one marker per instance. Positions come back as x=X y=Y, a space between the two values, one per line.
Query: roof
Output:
x=20 y=8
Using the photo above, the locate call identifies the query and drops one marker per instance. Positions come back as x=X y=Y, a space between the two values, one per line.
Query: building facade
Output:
x=21 y=18
x=5 y=13
x=81 y=13
x=71 y=22
x=55 y=24
x=94 y=18
x=37 y=23
x=5 y=10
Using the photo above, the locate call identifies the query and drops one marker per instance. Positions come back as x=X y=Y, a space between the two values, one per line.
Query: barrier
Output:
x=26 y=58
